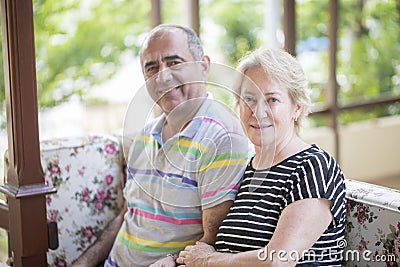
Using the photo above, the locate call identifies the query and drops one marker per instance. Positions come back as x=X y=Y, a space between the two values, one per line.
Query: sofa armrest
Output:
x=372 y=226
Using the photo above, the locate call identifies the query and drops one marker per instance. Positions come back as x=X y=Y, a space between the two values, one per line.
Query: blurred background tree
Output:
x=370 y=63
x=83 y=43
x=241 y=23
x=368 y=52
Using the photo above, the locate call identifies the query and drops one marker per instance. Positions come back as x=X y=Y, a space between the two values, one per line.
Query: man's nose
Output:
x=164 y=75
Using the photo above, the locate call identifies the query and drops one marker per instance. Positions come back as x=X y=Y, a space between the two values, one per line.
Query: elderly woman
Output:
x=290 y=209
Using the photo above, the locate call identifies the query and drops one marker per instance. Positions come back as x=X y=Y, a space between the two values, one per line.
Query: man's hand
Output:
x=164 y=262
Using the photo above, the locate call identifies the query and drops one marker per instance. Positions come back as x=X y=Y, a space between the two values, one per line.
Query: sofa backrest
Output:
x=373 y=225
x=89 y=176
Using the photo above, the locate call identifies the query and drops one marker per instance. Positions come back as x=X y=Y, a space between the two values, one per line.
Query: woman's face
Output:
x=266 y=109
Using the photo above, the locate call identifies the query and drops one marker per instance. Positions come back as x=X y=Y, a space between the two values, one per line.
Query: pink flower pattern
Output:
x=98 y=200
x=371 y=226
x=85 y=195
x=110 y=149
x=108 y=179
x=361 y=214
x=60 y=262
x=55 y=170
x=86 y=236
x=87 y=173
x=397 y=246
x=53 y=215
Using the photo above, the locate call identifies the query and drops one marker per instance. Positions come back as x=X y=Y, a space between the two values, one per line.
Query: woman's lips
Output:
x=263 y=126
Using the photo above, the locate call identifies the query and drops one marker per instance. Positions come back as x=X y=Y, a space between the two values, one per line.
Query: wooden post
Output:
x=289 y=25
x=24 y=185
x=332 y=82
x=155 y=13
x=194 y=15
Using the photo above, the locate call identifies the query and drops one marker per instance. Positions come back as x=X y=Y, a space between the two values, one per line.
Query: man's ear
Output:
x=205 y=64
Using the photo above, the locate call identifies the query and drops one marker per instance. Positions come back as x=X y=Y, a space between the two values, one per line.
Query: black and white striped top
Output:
x=263 y=195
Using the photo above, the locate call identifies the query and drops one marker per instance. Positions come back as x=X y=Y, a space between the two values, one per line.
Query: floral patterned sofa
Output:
x=88 y=173
x=89 y=176
x=373 y=225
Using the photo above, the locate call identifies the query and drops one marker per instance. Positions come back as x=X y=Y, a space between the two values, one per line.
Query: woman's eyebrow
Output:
x=272 y=93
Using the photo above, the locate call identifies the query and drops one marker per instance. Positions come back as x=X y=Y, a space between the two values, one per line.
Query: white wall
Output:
x=369 y=151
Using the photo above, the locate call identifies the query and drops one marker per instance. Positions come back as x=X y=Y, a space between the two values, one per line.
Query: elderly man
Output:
x=183 y=168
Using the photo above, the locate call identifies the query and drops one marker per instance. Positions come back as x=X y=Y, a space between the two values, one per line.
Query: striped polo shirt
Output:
x=169 y=184
x=264 y=194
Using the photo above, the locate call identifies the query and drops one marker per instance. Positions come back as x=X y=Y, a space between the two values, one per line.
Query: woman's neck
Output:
x=268 y=156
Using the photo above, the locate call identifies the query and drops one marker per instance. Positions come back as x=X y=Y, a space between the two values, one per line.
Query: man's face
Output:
x=172 y=77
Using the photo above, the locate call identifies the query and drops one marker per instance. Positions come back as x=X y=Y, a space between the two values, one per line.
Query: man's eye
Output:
x=151 y=69
x=173 y=63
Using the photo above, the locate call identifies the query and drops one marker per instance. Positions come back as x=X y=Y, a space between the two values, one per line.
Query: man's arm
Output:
x=212 y=219
x=102 y=247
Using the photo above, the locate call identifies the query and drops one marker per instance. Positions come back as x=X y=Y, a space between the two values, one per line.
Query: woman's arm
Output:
x=301 y=224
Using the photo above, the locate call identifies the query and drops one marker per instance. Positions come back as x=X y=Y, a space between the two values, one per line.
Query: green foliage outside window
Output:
x=368 y=52
x=242 y=23
x=83 y=43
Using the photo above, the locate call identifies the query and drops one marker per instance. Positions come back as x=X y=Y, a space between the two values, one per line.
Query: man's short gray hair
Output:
x=194 y=44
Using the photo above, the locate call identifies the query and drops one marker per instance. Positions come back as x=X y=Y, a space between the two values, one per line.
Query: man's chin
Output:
x=168 y=105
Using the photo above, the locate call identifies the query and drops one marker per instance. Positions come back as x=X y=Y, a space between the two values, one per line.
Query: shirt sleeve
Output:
x=319 y=176
x=222 y=169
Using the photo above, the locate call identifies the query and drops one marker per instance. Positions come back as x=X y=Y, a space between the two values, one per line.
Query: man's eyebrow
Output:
x=166 y=58
x=171 y=57
x=150 y=63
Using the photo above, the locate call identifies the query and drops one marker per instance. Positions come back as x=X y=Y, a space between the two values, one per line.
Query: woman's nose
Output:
x=261 y=109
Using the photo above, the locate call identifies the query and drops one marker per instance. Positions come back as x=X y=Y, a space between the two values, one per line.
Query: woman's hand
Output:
x=195 y=256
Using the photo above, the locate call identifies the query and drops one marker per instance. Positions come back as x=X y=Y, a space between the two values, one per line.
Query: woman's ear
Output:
x=297 y=112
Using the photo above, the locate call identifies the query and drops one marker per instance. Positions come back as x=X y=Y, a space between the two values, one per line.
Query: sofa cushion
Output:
x=88 y=175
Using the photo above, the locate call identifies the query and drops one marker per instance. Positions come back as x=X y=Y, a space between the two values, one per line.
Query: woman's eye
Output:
x=248 y=99
x=272 y=100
